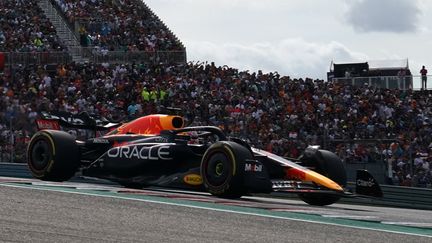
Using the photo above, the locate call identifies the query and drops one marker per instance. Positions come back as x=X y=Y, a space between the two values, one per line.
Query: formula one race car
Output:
x=159 y=150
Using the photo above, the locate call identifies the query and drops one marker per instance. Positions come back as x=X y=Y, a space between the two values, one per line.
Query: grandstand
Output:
x=102 y=74
x=87 y=31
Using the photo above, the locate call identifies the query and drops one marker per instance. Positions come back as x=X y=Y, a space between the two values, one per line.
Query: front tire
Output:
x=53 y=155
x=222 y=169
x=330 y=165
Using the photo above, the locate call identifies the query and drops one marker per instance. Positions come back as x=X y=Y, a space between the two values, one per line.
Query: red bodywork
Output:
x=150 y=125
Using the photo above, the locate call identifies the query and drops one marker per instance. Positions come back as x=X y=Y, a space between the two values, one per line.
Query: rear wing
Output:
x=56 y=120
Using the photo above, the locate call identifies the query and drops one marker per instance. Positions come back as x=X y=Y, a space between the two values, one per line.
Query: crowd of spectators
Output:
x=118 y=25
x=273 y=112
x=24 y=28
x=362 y=124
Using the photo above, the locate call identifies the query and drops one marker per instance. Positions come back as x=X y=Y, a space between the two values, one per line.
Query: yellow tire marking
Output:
x=50 y=164
x=51 y=140
x=233 y=158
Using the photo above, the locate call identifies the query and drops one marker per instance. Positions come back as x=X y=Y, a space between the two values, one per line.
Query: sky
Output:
x=300 y=38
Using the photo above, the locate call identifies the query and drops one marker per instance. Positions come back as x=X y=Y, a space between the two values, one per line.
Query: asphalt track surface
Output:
x=38 y=214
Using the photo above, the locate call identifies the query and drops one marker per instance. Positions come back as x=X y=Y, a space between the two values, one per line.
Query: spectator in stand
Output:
x=423 y=73
x=401 y=76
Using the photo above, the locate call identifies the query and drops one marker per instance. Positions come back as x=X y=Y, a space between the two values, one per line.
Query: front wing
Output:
x=365 y=186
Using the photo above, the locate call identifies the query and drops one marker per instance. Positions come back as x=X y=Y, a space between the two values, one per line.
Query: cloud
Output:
x=294 y=57
x=383 y=15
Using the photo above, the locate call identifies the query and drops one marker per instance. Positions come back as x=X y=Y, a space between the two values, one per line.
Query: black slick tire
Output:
x=222 y=169
x=331 y=166
x=53 y=155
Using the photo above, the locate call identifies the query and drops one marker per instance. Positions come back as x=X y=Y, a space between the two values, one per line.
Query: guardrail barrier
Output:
x=395 y=196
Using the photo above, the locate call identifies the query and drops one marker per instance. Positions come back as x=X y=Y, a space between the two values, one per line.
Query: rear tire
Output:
x=222 y=169
x=331 y=166
x=53 y=155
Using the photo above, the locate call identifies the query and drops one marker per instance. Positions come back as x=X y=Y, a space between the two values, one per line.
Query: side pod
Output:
x=366 y=185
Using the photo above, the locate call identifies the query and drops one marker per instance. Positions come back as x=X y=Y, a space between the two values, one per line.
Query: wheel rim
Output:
x=218 y=169
x=40 y=155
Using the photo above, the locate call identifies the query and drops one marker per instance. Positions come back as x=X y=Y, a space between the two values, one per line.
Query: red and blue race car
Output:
x=159 y=150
